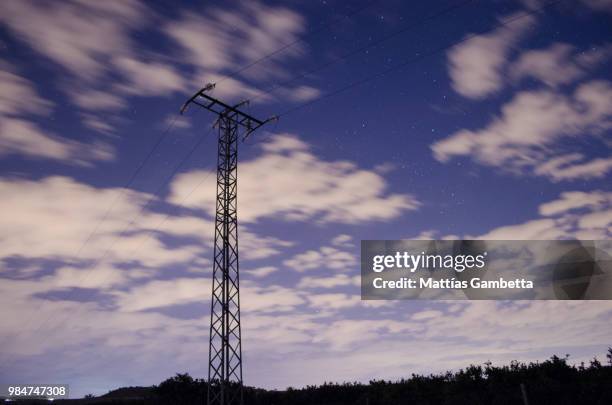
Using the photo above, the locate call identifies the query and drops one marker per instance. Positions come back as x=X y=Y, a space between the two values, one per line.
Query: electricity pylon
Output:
x=225 y=347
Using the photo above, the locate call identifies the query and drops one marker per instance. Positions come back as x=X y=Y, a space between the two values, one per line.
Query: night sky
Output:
x=432 y=119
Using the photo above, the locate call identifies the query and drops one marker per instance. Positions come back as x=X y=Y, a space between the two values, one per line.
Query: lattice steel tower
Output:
x=225 y=348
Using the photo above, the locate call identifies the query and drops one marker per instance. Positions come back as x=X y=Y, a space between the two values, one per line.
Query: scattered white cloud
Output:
x=326 y=257
x=163 y=293
x=82 y=38
x=534 y=229
x=79 y=36
x=343 y=240
x=573 y=166
x=338 y=280
x=585 y=215
x=209 y=43
x=18 y=95
x=261 y=272
x=108 y=240
x=69 y=34
x=180 y=122
x=39 y=207
x=327 y=191
x=303 y=327
x=19 y=134
x=476 y=67
x=96 y=100
x=599 y=5
x=525 y=134
x=268 y=298
x=571 y=200
x=596 y=5
x=427 y=314
x=260 y=247
x=97 y=124
x=298 y=94
x=149 y=78
x=558 y=64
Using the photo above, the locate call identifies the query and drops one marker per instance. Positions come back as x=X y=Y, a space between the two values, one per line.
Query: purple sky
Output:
x=503 y=136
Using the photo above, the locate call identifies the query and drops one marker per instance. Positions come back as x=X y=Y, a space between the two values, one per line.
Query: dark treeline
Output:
x=553 y=381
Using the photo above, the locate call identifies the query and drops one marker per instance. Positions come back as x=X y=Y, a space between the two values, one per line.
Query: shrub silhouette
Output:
x=550 y=382
x=553 y=381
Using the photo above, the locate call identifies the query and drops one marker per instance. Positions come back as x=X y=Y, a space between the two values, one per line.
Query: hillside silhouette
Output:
x=553 y=381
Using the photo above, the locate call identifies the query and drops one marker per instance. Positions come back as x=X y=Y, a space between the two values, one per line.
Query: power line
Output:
x=125 y=189
x=132 y=178
x=405 y=63
x=365 y=47
x=172 y=123
x=382 y=73
x=296 y=41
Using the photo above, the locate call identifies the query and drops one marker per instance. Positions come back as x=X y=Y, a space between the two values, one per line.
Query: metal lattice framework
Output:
x=225 y=347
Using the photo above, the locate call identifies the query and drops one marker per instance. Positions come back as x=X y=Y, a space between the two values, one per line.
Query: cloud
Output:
x=572 y=166
x=97 y=124
x=149 y=78
x=157 y=294
x=268 y=298
x=255 y=246
x=326 y=257
x=599 y=5
x=96 y=100
x=93 y=44
x=476 y=67
x=179 y=121
x=596 y=5
x=299 y=94
x=19 y=101
x=558 y=64
x=208 y=43
x=535 y=229
x=260 y=272
x=338 y=280
x=18 y=136
x=163 y=293
x=283 y=326
x=108 y=239
x=427 y=314
x=571 y=200
x=97 y=278
x=39 y=206
x=575 y=214
x=232 y=89
x=104 y=74
x=333 y=301
x=327 y=191
x=209 y=40
x=76 y=35
x=18 y=95
x=342 y=240
x=524 y=135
